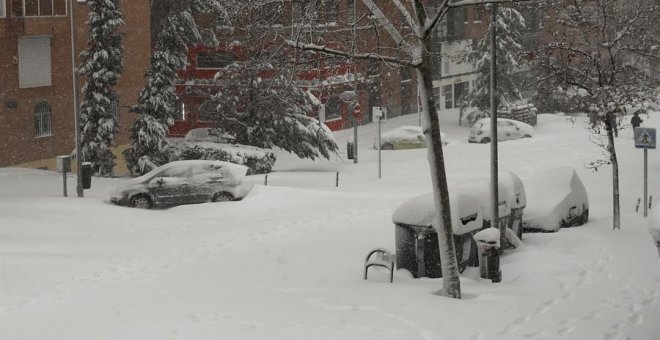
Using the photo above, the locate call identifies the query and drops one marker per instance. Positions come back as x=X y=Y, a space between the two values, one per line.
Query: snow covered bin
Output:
x=517 y=200
x=555 y=199
x=87 y=173
x=417 y=241
x=481 y=190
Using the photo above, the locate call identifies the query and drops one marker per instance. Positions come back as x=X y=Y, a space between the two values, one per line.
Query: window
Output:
x=448 y=93
x=114 y=108
x=350 y=11
x=43 y=119
x=36 y=8
x=214 y=60
x=34 y=69
x=2 y=9
x=333 y=108
x=478 y=13
x=460 y=91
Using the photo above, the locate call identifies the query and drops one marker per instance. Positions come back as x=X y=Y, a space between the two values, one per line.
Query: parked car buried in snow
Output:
x=404 y=137
x=507 y=129
x=555 y=199
x=183 y=182
x=417 y=241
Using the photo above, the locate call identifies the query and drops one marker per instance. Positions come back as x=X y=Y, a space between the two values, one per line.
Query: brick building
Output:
x=36 y=106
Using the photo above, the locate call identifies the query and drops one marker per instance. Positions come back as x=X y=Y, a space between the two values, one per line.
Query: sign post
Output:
x=351 y=98
x=378 y=113
x=645 y=139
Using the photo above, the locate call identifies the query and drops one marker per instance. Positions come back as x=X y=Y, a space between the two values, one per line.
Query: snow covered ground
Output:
x=287 y=261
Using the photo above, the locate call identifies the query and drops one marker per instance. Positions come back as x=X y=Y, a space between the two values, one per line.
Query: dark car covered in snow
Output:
x=556 y=199
x=183 y=182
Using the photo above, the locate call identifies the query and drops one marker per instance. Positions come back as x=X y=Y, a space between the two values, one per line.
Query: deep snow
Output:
x=286 y=262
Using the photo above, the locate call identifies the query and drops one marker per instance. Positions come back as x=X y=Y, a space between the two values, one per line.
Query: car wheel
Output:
x=485 y=140
x=388 y=146
x=141 y=201
x=584 y=218
x=222 y=197
x=527 y=136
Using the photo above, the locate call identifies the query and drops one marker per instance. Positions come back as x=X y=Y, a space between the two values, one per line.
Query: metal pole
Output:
x=380 y=119
x=493 y=123
x=76 y=109
x=64 y=183
x=355 y=85
x=646 y=183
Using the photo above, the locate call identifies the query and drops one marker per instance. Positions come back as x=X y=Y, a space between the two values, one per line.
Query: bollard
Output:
x=266 y=180
x=639 y=200
x=488 y=244
x=337 y=180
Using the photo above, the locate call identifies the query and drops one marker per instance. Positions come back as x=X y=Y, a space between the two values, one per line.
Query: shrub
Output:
x=258 y=161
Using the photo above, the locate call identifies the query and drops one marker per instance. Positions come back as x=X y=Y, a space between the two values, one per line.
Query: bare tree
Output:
x=598 y=55
x=410 y=24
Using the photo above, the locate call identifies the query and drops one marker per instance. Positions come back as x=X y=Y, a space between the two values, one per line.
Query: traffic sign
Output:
x=645 y=138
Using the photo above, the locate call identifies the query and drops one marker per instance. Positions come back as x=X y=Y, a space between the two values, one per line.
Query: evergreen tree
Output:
x=158 y=102
x=258 y=97
x=509 y=50
x=102 y=64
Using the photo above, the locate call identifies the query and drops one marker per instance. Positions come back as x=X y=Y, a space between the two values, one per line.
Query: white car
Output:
x=507 y=129
x=208 y=135
x=183 y=182
x=404 y=137
x=555 y=199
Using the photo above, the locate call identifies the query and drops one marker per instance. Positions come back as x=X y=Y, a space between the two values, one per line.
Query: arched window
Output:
x=42 y=119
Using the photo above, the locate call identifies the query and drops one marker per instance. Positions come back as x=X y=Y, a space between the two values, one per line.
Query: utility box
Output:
x=63 y=164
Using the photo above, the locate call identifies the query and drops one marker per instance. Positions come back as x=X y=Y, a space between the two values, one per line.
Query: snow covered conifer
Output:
x=509 y=50
x=102 y=64
x=158 y=102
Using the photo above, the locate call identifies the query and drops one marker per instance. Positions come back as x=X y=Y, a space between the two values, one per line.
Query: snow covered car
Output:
x=507 y=129
x=183 y=182
x=417 y=240
x=404 y=137
x=208 y=135
x=555 y=199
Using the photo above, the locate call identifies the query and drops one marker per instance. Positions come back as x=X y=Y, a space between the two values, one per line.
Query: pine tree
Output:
x=102 y=63
x=509 y=50
x=259 y=99
x=158 y=102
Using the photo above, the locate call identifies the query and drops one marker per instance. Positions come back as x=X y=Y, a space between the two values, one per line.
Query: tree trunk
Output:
x=451 y=283
x=610 y=128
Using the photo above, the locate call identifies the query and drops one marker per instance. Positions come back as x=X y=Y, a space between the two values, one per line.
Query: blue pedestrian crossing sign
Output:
x=644 y=138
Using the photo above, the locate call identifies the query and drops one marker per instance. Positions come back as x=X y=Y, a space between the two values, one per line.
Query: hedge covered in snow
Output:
x=258 y=160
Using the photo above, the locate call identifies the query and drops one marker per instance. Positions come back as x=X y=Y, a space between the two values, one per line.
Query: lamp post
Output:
x=493 y=125
x=76 y=109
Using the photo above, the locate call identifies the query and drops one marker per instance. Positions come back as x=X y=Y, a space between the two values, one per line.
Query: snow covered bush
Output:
x=473 y=116
x=258 y=161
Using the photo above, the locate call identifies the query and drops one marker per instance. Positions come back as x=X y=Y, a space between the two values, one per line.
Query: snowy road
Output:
x=286 y=262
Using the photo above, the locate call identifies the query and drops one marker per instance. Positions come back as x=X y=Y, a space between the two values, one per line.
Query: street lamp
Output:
x=76 y=109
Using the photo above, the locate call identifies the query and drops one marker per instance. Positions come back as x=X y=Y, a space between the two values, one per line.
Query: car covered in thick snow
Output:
x=417 y=240
x=404 y=137
x=507 y=129
x=555 y=199
x=183 y=182
x=209 y=135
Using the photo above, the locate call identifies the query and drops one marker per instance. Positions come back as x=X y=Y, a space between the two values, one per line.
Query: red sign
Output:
x=357 y=110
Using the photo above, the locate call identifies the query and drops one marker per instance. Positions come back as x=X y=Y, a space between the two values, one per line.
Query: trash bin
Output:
x=481 y=189
x=488 y=243
x=87 y=173
x=349 y=150
x=517 y=200
x=417 y=241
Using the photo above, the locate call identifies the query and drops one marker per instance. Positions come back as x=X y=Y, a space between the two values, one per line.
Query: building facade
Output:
x=36 y=105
